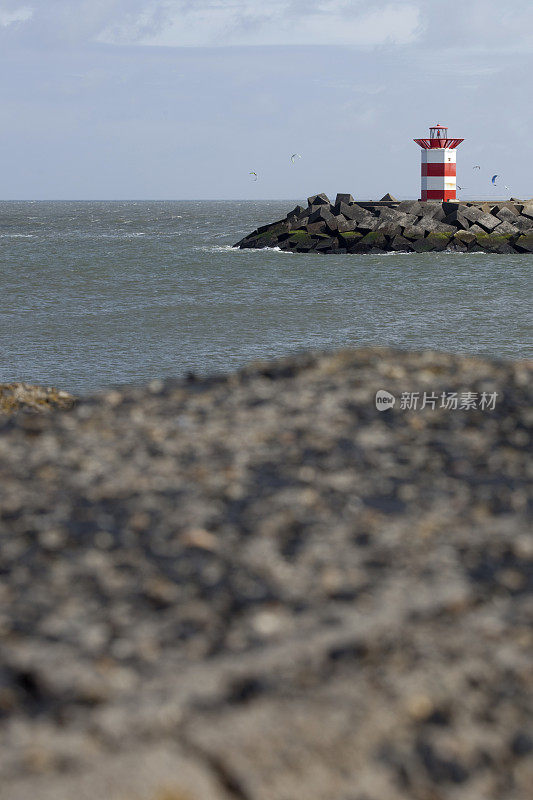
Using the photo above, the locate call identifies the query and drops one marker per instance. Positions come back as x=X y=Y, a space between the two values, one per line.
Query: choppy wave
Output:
x=217 y=248
x=120 y=293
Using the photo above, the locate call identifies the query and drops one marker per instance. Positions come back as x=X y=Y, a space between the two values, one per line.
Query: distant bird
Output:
x=256 y=176
x=295 y=156
x=460 y=187
x=507 y=187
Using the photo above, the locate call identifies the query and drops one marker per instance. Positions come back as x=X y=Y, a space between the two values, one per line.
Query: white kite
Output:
x=295 y=156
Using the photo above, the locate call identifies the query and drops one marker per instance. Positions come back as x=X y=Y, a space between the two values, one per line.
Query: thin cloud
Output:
x=73 y=22
x=281 y=22
x=17 y=15
x=478 y=26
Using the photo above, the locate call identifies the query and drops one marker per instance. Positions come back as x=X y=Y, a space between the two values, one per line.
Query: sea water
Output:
x=100 y=293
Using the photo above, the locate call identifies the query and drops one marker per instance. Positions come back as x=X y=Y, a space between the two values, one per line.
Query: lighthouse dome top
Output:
x=438 y=132
x=438 y=139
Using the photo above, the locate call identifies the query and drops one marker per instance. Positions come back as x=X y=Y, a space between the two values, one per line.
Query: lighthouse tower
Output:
x=438 y=165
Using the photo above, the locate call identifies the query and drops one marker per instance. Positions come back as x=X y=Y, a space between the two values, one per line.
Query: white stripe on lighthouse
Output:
x=438 y=183
x=441 y=156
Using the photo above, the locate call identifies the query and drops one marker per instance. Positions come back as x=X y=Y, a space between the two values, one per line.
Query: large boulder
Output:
x=327 y=244
x=453 y=205
x=430 y=223
x=523 y=224
x=431 y=210
x=350 y=239
x=387 y=213
x=297 y=241
x=318 y=200
x=527 y=211
x=322 y=213
x=344 y=225
x=265 y=236
x=525 y=243
x=351 y=211
x=456 y=246
x=433 y=242
x=457 y=219
x=315 y=227
x=506 y=228
x=344 y=198
x=495 y=242
x=401 y=244
x=295 y=213
x=482 y=218
x=392 y=222
x=488 y=222
x=414 y=232
x=466 y=237
x=368 y=222
x=390 y=228
x=472 y=213
x=410 y=207
x=374 y=240
x=443 y=227
x=332 y=224
x=506 y=214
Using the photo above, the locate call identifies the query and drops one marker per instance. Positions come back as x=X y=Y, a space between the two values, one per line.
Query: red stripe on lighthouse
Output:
x=438 y=194
x=439 y=170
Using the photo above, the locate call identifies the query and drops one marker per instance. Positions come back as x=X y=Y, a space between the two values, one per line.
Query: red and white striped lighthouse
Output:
x=438 y=165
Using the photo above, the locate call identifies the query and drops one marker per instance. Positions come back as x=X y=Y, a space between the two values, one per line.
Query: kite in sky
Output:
x=256 y=176
x=476 y=167
x=494 y=179
x=295 y=156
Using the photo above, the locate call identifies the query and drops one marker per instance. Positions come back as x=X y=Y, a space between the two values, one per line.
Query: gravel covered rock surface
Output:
x=260 y=587
x=17 y=396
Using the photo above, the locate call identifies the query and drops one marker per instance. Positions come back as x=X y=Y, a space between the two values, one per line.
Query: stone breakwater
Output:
x=259 y=587
x=407 y=226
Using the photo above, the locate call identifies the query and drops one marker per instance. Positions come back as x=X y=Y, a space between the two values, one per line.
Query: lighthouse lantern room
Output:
x=438 y=165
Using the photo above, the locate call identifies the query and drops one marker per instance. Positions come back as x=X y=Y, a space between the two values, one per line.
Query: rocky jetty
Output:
x=389 y=225
x=260 y=587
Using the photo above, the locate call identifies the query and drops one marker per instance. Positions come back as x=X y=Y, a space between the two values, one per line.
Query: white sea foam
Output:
x=217 y=248
x=250 y=250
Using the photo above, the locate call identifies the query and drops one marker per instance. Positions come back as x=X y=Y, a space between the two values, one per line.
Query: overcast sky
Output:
x=178 y=99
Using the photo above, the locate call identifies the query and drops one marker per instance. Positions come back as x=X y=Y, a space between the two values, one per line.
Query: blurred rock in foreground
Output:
x=17 y=396
x=260 y=587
